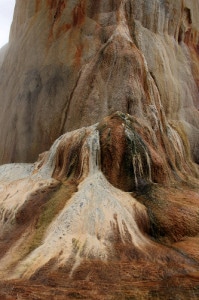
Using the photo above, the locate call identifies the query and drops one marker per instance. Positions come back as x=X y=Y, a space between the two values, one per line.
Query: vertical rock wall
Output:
x=70 y=63
x=115 y=204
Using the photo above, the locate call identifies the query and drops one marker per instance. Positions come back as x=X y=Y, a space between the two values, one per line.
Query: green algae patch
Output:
x=49 y=211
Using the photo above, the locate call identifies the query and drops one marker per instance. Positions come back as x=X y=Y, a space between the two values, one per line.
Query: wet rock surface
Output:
x=90 y=60
x=90 y=211
x=107 y=95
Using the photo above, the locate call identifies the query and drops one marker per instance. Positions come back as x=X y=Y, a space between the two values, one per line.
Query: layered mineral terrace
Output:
x=99 y=139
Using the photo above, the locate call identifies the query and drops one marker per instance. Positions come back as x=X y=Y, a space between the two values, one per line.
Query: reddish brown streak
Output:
x=51 y=3
x=78 y=54
x=62 y=29
x=37 y=5
x=79 y=14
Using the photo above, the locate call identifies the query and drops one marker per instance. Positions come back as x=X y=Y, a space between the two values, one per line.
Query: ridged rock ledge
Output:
x=111 y=210
x=92 y=208
x=68 y=64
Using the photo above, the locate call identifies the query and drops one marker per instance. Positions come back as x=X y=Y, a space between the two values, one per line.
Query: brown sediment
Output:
x=59 y=9
x=78 y=55
x=180 y=217
x=37 y=5
x=62 y=30
x=25 y=220
x=111 y=210
x=55 y=13
x=79 y=13
x=183 y=287
x=52 y=3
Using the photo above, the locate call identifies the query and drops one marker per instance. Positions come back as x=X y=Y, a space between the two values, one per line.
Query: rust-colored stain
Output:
x=52 y=3
x=79 y=13
x=59 y=9
x=62 y=29
x=188 y=36
x=56 y=10
x=50 y=36
x=37 y=5
x=197 y=48
x=78 y=54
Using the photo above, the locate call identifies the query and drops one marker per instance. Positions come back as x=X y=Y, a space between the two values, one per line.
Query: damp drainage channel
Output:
x=139 y=155
x=141 y=162
x=94 y=152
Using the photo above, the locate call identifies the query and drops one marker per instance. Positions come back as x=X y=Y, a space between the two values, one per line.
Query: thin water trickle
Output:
x=176 y=141
x=94 y=152
x=138 y=159
x=137 y=167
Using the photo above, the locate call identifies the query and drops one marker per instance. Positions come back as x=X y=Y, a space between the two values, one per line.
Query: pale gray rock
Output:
x=70 y=63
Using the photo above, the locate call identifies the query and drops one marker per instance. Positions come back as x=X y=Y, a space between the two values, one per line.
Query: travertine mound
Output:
x=92 y=204
x=104 y=96
x=70 y=63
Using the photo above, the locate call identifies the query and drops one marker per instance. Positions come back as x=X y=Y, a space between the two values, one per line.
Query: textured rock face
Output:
x=111 y=210
x=68 y=217
x=80 y=217
x=68 y=60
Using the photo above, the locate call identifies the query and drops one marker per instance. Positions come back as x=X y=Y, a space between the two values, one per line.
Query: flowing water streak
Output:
x=137 y=159
x=94 y=152
x=176 y=141
x=149 y=165
x=137 y=167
